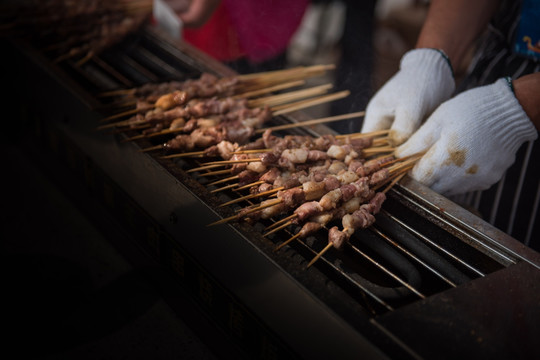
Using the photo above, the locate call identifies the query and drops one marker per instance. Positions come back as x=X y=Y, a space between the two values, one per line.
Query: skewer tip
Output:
x=319 y=255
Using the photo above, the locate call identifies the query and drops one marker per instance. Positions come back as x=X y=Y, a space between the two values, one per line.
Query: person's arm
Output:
x=453 y=25
x=194 y=13
x=527 y=90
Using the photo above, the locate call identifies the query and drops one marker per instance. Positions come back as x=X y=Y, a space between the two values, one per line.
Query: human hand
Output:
x=178 y=6
x=470 y=140
x=193 y=13
x=423 y=82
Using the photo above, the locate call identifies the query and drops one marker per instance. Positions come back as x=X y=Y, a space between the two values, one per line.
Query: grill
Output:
x=429 y=279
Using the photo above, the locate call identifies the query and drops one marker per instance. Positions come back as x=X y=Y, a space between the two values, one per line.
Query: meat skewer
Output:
x=222 y=109
x=164 y=112
x=234 y=86
x=242 y=130
x=319 y=221
x=258 y=146
x=176 y=93
x=361 y=218
x=354 y=143
x=373 y=166
x=337 y=165
x=361 y=188
x=312 y=190
x=364 y=216
x=293 y=148
x=355 y=167
x=324 y=120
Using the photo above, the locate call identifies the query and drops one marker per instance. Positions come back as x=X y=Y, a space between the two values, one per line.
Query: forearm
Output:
x=527 y=90
x=453 y=25
x=198 y=13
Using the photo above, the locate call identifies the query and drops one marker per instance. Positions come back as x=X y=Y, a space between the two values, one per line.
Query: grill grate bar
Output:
x=388 y=272
x=149 y=59
x=150 y=76
x=342 y=273
x=435 y=245
x=413 y=256
x=110 y=70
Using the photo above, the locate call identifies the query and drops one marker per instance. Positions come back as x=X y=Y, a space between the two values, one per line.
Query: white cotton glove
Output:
x=422 y=83
x=471 y=140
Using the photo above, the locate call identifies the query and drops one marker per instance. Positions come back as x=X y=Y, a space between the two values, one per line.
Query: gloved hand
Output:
x=422 y=83
x=471 y=140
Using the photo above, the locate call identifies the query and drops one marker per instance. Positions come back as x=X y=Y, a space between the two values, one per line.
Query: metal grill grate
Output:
x=403 y=258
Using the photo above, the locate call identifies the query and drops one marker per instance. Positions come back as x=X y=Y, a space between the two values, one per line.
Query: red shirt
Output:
x=257 y=30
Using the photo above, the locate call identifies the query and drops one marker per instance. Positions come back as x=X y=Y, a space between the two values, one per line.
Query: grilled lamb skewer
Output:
x=361 y=218
x=196 y=108
x=239 y=131
x=303 y=199
x=319 y=221
x=278 y=144
x=293 y=152
x=329 y=171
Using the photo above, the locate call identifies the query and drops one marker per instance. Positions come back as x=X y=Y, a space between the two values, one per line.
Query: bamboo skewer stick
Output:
x=186 y=154
x=276 y=229
x=278 y=223
x=321 y=253
x=312 y=122
x=380 y=142
x=360 y=135
x=222 y=221
x=119 y=115
x=257 y=77
x=224 y=180
x=236 y=186
x=377 y=150
x=285 y=72
x=252 y=196
x=285 y=109
x=218 y=172
x=122 y=104
x=280 y=76
x=147 y=136
x=253 y=93
x=205 y=167
x=252 y=151
x=250 y=185
x=122 y=92
x=152 y=148
x=231 y=186
x=285 y=98
x=231 y=162
x=288 y=241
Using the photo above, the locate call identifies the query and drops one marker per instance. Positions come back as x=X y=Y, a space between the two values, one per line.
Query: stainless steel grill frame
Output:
x=327 y=310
